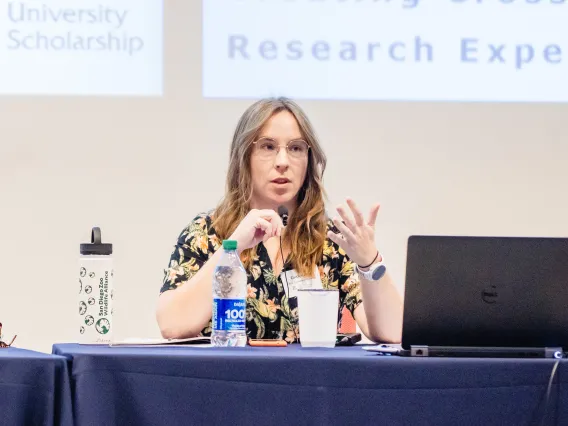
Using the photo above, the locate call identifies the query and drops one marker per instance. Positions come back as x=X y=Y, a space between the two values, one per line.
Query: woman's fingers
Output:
x=359 y=219
x=347 y=220
x=345 y=231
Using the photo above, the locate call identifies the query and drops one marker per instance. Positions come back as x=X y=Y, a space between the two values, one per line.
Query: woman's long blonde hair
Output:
x=306 y=230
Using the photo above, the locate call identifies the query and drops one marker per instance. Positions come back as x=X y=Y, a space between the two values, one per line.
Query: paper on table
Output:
x=135 y=341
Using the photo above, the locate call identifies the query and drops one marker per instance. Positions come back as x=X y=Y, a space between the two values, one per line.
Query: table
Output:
x=297 y=386
x=34 y=389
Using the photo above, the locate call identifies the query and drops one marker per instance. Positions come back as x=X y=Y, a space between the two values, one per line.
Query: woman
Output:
x=276 y=160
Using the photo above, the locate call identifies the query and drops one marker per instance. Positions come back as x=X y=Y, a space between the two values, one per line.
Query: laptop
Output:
x=486 y=296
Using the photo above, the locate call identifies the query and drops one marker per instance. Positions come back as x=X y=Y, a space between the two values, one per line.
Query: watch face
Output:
x=379 y=272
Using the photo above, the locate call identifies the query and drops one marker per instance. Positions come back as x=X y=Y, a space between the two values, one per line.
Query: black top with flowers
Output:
x=269 y=315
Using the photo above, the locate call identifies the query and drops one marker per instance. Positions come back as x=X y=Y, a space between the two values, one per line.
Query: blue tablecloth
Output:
x=34 y=389
x=294 y=385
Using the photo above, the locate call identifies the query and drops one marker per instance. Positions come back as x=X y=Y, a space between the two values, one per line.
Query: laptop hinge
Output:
x=497 y=352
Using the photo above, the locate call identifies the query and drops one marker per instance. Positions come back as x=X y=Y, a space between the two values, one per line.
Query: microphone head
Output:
x=283 y=213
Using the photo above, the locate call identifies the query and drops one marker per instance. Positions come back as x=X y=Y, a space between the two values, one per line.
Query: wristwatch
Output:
x=375 y=272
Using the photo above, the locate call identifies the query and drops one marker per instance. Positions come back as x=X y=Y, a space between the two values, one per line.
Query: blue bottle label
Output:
x=229 y=314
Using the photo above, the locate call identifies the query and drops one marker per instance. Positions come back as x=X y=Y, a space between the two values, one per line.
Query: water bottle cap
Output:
x=229 y=244
x=96 y=247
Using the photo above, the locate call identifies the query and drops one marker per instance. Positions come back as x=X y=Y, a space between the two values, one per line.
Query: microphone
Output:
x=283 y=213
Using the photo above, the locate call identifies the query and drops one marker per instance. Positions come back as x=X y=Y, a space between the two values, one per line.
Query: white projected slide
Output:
x=81 y=47
x=430 y=50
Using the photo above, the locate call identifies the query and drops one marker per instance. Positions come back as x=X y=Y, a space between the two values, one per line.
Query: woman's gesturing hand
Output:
x=357 y=236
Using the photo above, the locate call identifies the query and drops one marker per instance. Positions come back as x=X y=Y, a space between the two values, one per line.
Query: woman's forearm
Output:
x=185 y=311
x=383 y=309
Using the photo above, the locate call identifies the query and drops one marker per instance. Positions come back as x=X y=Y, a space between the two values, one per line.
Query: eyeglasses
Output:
x=268 y=149
x=3 y=344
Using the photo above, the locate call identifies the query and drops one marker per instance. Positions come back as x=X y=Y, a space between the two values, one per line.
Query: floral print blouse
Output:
x=269 y=314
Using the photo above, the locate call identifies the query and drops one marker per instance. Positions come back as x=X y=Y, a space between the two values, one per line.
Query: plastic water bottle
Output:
x=229 y=299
